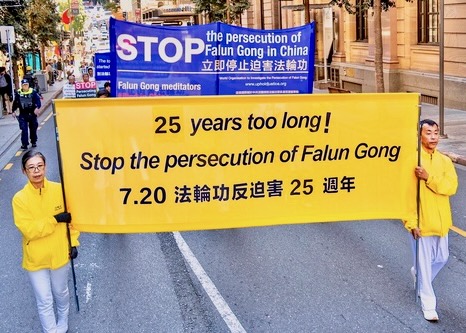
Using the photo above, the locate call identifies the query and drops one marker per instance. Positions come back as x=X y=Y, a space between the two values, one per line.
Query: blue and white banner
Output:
x=103 y=66
x=212 y=59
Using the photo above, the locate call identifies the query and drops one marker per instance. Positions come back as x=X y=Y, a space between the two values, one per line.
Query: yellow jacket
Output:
x=434 y=194
x=45 y=242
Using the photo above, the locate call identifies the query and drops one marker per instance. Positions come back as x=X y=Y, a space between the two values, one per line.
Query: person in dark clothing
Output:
x=29 y=75
x=105 y=92
x=6 y=87
x=28 y=102
x=33 y=83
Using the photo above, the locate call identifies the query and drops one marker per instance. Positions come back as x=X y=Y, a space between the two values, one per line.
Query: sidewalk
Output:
x=9 y=127
x=454 y=145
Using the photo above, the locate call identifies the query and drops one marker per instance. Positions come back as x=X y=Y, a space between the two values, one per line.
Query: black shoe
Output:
x=24 y=147
x=34 y=145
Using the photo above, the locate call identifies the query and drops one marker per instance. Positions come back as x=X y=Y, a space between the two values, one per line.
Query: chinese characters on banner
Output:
x=212 y=162
x=211 y=59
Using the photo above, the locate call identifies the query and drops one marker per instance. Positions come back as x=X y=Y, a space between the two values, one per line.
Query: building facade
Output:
x=411 y=44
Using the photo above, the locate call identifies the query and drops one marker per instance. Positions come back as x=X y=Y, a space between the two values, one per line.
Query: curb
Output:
x=458 y=159
x=44 y=107
x=47 y=104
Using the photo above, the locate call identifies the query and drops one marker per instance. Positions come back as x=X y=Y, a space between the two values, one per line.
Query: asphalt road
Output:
x=325 y=277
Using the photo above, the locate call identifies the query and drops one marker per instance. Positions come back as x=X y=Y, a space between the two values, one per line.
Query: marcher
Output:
x=29 y=75
x=69 y=90
x=38 y=211
x=90 y=71
x=105 y=92
x=59 y=69
x=28 y=102
x=49 y=70
x=438 y=181
x=71 y=79
x=6 y=94
x=85 y=77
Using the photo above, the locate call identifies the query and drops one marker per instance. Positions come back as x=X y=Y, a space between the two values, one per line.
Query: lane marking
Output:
x=88 y=292
x=8 y=166
x=47 y=118
x=222 y=307
x=458 y=230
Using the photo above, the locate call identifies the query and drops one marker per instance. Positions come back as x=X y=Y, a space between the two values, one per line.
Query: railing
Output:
x=332 y=77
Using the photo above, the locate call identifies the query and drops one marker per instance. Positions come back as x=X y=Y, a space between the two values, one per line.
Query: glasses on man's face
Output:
x=34 y=168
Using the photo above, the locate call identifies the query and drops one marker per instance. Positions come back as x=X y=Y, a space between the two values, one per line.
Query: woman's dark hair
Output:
x=30 y=154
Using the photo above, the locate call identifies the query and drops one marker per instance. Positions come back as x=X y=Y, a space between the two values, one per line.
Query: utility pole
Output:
x=441 y=76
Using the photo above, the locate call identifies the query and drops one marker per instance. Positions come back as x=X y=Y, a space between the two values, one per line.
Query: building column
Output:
x=339 y=55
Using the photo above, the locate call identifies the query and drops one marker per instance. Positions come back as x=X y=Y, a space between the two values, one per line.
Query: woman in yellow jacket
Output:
x=438 y=181
x=38 y=211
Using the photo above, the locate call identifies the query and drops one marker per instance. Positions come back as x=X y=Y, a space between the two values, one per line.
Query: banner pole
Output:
x=68 y=233
x=419 y=147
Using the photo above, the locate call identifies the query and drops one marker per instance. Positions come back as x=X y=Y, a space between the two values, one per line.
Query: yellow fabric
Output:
x=435 y=213
x=45 y=242
x=210 y=162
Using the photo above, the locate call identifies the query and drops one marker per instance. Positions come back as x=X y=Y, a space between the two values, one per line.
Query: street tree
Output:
x=378 y=6
x=36 y=26
x=228 y=11
x=44 y=23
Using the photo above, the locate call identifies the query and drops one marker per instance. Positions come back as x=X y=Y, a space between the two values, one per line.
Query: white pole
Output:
x=11 y=62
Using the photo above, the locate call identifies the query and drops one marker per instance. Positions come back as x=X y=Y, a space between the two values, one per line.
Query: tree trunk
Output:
x=42 y=56
x=378 y=60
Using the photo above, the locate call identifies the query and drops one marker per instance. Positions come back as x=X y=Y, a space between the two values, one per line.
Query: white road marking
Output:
x=88 y=292
x=222 y=307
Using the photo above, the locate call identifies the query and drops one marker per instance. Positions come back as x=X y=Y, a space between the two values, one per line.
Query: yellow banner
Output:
x=191 y=163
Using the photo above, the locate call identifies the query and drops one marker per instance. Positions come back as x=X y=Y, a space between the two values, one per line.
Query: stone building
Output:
x=411 y=44
x=345 y=44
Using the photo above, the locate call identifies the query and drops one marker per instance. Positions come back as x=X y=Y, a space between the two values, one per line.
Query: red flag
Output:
x=65 y=18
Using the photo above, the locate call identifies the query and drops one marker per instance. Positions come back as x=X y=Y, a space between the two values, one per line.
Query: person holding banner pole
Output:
x=38 y=212
x=437 y=182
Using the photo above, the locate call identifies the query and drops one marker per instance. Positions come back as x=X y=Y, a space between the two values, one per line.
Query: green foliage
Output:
x=44 y=20
x=36 y=22
x=220 y=10
x=16 y=17
x=351 y=8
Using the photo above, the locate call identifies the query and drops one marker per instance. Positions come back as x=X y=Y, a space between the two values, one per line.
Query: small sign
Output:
x=86 y=89
x=69 y=91
x=7 y=34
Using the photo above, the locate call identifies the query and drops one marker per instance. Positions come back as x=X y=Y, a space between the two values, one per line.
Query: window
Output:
x=428 y=20
x=361 y=22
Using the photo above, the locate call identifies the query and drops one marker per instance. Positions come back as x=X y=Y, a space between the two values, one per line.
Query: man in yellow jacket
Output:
x=438 y=181
x=38 y=211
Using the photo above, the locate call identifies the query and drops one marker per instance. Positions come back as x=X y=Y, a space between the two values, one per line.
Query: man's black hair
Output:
x=429 y=122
